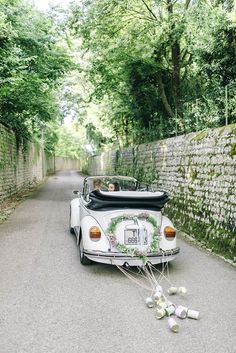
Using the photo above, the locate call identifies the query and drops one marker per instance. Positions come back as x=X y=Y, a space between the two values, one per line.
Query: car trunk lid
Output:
x=132 y=229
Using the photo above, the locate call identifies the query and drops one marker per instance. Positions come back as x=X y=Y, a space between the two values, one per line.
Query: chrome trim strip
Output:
x=110 y=255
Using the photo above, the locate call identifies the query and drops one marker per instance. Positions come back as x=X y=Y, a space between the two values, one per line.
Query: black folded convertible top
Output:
x=101 y=201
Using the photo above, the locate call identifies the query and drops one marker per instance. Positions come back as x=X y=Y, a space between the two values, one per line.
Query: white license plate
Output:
x=131 y=237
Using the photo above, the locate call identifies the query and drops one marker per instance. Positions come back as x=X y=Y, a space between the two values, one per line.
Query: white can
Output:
x=193 y=314
x=182 y=290
x=160 y=313
x=161 y=305
x=173 y=325
x=159 y=288
x=181 y=312
x=157 y=295
x=149 y=302
x=170 y=310
x=172 y=290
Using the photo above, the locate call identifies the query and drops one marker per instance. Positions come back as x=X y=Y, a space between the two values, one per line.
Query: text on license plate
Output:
x=132 y=237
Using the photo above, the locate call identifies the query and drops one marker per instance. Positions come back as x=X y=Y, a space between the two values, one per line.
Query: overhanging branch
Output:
x=149 y=9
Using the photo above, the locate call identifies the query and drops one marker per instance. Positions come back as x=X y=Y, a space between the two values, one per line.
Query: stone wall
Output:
x=22 y=166
x=19 y=166
x=63 y=163
x=199 y=172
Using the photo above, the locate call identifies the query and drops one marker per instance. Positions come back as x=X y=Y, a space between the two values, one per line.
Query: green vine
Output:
x=130 y=251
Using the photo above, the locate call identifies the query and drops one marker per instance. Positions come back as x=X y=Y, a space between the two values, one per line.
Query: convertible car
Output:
x=118 y=221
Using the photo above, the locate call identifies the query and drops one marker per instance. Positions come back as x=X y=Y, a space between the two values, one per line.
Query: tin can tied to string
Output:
x=160 y=313
x=193 y=314
x=161 y=304
x=157 y=295
x=173 y=325
x=149 y=302
x=172 y=290
x=159 y=288
x=181 y=312
x=182 y=290
x=170 y=309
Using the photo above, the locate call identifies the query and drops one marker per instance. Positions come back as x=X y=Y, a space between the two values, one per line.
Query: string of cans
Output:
x=165 y=308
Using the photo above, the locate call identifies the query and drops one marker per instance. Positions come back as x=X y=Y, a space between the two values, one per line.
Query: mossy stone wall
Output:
x=19 y=166
x=24 y=165
x=199 y=172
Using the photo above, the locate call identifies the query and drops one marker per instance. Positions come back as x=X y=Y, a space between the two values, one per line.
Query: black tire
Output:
x=71 y=229
x=83 y=259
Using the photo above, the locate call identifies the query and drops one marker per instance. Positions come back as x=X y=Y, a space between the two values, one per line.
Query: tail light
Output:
x=169 y=232
x=95 y=233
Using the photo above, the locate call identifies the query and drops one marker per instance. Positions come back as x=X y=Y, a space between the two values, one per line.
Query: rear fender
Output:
x=102 y=244
x=164 y=243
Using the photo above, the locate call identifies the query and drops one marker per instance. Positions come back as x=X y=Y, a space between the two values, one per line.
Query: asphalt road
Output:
x=50 y=303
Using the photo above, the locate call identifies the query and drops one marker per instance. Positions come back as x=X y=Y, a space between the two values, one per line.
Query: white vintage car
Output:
x=118 y=221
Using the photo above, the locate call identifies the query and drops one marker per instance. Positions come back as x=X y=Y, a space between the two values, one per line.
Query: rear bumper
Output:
x=115 y=258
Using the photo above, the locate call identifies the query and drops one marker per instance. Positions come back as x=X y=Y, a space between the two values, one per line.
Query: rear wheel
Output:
x=83 y=259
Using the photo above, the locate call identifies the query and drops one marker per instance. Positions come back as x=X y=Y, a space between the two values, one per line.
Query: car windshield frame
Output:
x=124 y=183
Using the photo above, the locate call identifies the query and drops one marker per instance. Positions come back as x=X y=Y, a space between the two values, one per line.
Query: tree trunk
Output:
x=176 y=66
x=175 y=55
x=163 y=97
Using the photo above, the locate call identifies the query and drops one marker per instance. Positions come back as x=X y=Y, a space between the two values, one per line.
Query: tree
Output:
x=31 y=66
x=212 y=38
x=120 y=34
x=146 y=58
x=70 y=142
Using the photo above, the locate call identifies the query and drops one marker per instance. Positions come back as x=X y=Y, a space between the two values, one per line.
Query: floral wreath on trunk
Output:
x=126 y=249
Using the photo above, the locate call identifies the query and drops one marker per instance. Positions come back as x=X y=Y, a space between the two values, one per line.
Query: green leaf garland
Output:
x=130 y=251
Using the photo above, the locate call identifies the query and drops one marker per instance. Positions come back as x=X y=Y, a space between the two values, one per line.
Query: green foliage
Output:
x=147 y=69
x=50 y=138
x=232 y=152
x=31 y=64
x=95 y=136
x=211 y=38
x=161 y=67
x=70 y=142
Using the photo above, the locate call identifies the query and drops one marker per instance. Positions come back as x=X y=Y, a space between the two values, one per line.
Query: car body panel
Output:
x=102 y=250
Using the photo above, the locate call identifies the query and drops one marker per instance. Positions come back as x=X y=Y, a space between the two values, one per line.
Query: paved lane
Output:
x=50 y=303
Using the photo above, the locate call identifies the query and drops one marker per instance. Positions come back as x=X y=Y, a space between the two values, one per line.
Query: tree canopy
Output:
x=126 y=72
x=31 y=65
x=161 y=66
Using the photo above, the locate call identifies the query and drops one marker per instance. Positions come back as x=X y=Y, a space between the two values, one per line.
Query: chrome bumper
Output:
x=116 y=258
